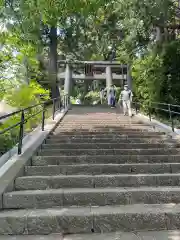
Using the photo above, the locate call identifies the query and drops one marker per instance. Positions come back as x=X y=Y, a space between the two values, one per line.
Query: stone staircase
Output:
x=98 y=172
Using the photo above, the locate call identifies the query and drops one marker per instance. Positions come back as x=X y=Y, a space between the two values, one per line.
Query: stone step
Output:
x=108 y=140
x=103 y=120
x=71 y=152
x=103 y=219
x=122 y=145
x=149 y=235
x=92 y=128
x=106 y=122
x=90 y=197
x=105 y=131
x=109 y=135
x=96 y=169
x=92 y=159
x=33 y=237
x=104 y=125
x=96 y=181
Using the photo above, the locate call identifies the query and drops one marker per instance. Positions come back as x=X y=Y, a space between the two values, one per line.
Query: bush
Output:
x=156 y=76
x=25 y=96
x=147 y=77
x=92 y=97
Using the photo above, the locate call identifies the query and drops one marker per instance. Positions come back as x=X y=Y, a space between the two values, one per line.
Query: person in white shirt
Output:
x=101 y=93
x=126 y=98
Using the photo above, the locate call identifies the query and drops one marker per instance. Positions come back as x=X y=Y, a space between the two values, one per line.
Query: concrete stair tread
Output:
x=50 y=198
x=96 y=181
x=94 y=190
x=106 y=123
x=109 y=133
x=127 y=149
x=110 y=151
x=110 y=168
x=105 y=157
x=149 y=235
x=118 y=136
x=108 y=164
x=108 y=145
x=104 y=175
x=123 y=140
x=84 y=219
x=105 y=130
x=89 y=211
x=33 y=237
x=77 y=159
x=109 y=141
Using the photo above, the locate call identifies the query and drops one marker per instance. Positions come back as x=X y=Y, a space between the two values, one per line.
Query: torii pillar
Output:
x=68 y=80
x=108 y=77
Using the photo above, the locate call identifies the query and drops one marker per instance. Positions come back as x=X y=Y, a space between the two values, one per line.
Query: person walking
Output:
x=126 y=99
x=112 y=96
x=101 y=95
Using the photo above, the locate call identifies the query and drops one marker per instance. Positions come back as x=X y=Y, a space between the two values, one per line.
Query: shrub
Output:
x=92 y=97
x=25 y=96
x=156 y=76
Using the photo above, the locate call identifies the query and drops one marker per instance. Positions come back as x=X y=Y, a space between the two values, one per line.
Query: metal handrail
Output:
x=56 y=105
x=150 y=106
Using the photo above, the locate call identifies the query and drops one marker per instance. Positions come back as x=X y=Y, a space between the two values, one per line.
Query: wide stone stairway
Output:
x=98 y=172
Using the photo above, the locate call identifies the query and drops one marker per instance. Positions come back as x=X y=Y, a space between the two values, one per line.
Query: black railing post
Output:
x=54 y=108
x=43 y=116
x=170 y=117
x=21 y=132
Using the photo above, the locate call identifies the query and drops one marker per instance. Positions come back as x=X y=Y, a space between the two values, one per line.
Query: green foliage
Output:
x=25 y=96
x=147 y=76
x=92 y=97
x=156 y=77
x=171 y=65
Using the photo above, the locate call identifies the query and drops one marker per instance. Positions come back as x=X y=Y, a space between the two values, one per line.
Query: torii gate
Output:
x=89 y=70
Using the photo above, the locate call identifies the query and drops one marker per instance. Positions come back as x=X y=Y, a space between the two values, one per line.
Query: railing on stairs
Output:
x=25 y=114
x=170 y=110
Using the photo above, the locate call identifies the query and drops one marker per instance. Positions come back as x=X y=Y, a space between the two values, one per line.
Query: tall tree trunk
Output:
x=53 y=62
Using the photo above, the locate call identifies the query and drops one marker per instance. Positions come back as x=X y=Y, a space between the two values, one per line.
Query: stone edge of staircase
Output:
x=159 y=126
x=14 y=167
